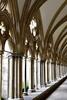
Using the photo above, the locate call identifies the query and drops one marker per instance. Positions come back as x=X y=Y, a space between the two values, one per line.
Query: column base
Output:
x=55 y=79
x=33 y=90
x=60 y=76
x=25 y=93
x=45 y=84
x=15 y=98
x=49 y=82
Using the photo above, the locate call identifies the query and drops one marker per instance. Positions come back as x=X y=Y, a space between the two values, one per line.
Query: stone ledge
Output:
x=50 y=90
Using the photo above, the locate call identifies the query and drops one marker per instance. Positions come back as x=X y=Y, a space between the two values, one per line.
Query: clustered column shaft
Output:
x=15 y=77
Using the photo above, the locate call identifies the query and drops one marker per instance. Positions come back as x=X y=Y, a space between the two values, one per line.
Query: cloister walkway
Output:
x=59 y=94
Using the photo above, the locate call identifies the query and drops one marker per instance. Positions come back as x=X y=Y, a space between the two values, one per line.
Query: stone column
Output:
x=63 y=70
x=41 y=73
x=46 y=72
x=11 y=77
x=25 y=74
x=15 y=77
x=20 y=77
x=32 y=73
x=52 y=71
x=38 y=73
x=55 y=65
x=35 y=72
x=49 y=71
x=59 y=70
x=0 y=76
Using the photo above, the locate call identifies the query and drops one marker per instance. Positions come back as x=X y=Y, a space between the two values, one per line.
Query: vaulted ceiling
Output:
x=51 y=17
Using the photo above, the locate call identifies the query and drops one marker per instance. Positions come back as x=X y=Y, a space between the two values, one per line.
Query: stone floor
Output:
x=60 y=93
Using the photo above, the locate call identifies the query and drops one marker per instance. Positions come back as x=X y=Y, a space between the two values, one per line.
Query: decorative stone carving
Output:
x=3 y=4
